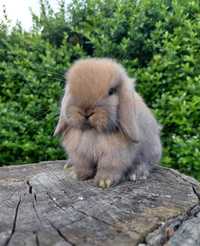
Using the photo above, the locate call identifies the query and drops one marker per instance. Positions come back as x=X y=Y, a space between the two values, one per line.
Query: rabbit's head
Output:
x=99 y=95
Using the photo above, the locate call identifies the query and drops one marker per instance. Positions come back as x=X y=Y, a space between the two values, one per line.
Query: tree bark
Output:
x=42 y=205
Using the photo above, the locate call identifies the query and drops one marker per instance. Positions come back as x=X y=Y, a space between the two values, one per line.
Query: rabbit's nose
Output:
x=88 y=114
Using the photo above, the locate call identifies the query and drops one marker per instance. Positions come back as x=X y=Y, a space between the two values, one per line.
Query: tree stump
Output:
x=42 y=205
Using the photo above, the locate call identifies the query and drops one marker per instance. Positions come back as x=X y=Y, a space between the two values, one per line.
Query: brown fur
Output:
x=108 y=131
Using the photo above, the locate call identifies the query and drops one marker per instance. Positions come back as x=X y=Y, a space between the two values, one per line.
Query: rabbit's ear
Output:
x=62 y=124
x=127 y=110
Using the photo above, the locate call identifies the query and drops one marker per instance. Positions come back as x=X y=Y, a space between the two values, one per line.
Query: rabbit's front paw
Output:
x=68 y=164
x=141 y=172
x=70 y=171
x=105 y=179
x=104 y=183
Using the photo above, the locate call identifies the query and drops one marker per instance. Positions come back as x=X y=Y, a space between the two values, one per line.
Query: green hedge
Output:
x=158 y=41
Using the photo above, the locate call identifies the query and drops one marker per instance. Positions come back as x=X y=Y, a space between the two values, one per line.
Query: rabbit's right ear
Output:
x=62 y=124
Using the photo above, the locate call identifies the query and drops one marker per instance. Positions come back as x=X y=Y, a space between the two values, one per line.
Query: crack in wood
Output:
x=34 y=205
x=53 y=200
x=14 y=223
x=30 y=187
x=35 y=197
x=80 y=211
x=36 y=212
x=61 y=234
x=37 y=242
x=91 y=216
x=196 y=193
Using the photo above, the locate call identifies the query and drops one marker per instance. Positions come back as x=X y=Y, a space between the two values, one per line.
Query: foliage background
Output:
x=158 y=41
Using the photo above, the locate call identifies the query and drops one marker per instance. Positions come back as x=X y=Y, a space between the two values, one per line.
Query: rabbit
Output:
x=107 y=130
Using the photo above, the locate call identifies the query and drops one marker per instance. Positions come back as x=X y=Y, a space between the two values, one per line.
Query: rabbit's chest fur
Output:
x=93 y=145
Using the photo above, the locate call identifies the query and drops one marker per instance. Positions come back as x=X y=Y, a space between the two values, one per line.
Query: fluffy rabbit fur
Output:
x=108 y=131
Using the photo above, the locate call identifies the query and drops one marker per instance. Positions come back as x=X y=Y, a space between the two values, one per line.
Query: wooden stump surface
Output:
x=42 y=205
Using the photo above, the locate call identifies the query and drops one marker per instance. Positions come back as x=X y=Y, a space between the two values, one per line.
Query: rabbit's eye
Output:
x=112 y=91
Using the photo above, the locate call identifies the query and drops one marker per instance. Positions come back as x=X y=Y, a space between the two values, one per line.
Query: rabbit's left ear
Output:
x=62 y=124
x=127 y=110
